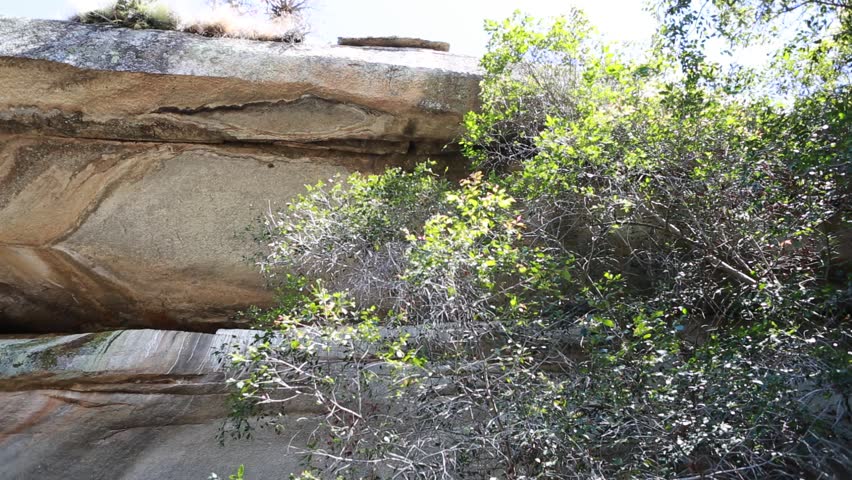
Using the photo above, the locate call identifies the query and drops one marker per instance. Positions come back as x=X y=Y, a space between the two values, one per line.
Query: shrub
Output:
x=636 y=284
x=285 y=8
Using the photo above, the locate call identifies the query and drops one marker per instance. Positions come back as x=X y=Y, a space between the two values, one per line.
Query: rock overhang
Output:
x=154 y=74
x=131 y=161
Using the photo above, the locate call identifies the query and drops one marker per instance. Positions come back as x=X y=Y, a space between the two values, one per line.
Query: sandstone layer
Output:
x=132 y=162
x=137 y=404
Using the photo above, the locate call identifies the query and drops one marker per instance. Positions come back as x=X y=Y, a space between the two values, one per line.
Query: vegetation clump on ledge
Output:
x=283 y=21
x=394 y=42
x=135 y=14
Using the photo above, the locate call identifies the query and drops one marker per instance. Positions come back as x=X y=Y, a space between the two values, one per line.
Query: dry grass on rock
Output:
x=227 y=22
x=222 y=21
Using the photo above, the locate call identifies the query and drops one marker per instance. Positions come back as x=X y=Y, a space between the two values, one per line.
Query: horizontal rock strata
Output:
x=127 y=405
x=132 y=162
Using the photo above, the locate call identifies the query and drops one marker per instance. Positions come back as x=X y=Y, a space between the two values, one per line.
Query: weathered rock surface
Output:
x=131 y=162
x=394 y=42
x=103 y=82
x=139 y=404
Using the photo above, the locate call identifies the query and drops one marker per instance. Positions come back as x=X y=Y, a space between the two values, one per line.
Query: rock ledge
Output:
x=132 y=162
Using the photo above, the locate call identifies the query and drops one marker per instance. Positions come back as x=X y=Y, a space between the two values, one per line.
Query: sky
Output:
x=458 y=22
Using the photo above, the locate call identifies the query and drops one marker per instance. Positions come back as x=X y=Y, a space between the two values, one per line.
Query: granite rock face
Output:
x=137 y=404
x=103 y=82
x=131 y=162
